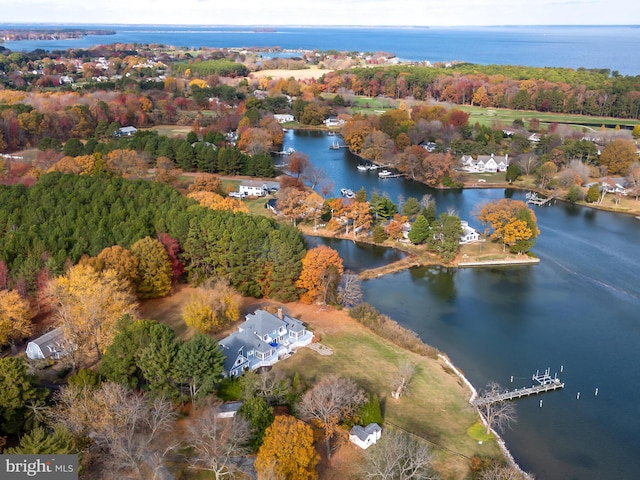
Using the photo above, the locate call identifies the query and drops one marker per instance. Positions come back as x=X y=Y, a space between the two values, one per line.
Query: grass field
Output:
x=436 y=406
x=488 y=116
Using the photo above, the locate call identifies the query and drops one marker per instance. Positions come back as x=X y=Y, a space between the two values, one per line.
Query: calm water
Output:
x=578 y=309
x=555 y=46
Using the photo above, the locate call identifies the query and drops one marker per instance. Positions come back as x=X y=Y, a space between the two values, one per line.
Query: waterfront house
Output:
x=50 y=345
x=364 y=437
x=283 y=117
x=469 y=234
x=484 y=164
x=262 y=340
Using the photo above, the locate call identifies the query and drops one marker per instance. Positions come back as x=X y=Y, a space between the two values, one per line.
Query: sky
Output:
x=324 y=12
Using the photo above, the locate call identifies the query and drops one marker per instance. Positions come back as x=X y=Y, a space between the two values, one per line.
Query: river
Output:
x=576 y=311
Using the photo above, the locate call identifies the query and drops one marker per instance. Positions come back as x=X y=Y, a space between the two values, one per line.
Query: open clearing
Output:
x=305 y=74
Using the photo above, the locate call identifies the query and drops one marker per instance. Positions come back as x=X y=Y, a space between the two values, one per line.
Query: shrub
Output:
x=387 y=328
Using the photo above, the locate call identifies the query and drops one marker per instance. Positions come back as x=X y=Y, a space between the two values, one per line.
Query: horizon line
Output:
x=292 y=25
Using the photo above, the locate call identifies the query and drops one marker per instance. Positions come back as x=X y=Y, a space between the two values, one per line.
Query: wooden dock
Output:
x=546 y=383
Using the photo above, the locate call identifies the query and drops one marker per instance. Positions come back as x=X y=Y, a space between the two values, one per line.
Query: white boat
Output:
x=347 y=192
x=385 y=173
x=362 y=168
x=334 y=146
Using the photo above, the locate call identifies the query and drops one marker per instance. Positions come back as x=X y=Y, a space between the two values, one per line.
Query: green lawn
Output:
x=434 y=408
x=487 y=116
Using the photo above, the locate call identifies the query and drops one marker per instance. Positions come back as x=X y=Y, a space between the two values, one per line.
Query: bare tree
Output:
x=117 y=421
x=406 y=371
x=219 y=444
x=398 y=456
x=350 y=290
x=498 y=415
x=331 y=401
x=528 y=162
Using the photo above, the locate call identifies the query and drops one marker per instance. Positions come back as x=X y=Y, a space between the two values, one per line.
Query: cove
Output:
x=578 y=309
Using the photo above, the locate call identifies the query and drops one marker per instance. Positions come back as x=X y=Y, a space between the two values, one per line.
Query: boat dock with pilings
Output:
x=545 y=381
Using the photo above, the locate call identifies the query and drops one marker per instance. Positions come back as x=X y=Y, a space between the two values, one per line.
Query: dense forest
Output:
x=63 y=217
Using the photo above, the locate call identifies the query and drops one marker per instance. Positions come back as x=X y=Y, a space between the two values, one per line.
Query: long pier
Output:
x=546 y=384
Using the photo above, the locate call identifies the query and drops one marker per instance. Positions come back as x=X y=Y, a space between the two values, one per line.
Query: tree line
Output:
x=595 y=92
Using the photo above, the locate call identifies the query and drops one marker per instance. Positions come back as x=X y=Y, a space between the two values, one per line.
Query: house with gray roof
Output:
x=262 y=340
x=50 y=345
x=364 y=437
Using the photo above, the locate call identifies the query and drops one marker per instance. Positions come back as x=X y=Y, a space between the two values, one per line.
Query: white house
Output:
x=261 y=340
x=50 y=345
x=484 y=163
x=283 y=117
x=469 y=234
x=251 y=189
x=364 y=437
x=127 y=131
x=333 y=122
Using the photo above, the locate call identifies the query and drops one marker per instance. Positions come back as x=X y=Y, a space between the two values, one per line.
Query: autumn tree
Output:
x=215 y=201
x=154 y=268
x=206 y=182
x=512 y=223
x=298 y=164
x=321 y=272
x=166 y=171
x=287 y=451
x=395 y=227
x=118 y=259
x=255 y=141
x=360 y=214
x=329 y=402
x=213 y=308
x=291 y=204
x=377 y=146
x=172 y=247
x=15 y=318
x=87 y=305
x=127 y=163
x=618 y=156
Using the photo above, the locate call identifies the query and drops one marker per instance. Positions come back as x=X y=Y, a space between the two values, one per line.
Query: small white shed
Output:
x=49 y=345
x=364 y=437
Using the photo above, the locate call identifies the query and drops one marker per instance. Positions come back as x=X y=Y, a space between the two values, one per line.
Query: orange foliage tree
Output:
x=321 y=273
x=512 y=223
x=218 y=202
x=287 y=451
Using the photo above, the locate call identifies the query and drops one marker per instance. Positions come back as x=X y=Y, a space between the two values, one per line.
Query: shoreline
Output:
x=474 y=394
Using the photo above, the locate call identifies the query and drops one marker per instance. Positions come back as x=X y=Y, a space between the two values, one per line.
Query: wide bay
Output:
x=606 y=47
